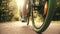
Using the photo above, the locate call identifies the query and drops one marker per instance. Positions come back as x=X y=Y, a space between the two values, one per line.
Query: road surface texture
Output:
x=22 y=28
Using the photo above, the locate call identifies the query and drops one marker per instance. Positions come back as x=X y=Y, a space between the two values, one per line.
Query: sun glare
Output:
x=20 y=3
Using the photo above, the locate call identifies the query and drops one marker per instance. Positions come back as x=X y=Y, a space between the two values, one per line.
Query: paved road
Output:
x=22 y=28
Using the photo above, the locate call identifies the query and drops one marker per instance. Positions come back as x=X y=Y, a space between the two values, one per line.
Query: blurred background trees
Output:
x=8 y=10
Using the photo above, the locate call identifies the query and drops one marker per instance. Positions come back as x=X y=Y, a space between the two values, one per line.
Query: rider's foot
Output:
x=23 y=19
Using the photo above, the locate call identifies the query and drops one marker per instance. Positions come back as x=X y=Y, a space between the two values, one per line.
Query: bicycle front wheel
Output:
x=40 y=27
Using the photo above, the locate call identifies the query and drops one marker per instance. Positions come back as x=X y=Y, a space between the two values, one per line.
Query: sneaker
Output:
x=24 y=19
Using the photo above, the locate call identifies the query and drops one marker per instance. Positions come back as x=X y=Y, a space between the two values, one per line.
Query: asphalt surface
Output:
x=22 y=28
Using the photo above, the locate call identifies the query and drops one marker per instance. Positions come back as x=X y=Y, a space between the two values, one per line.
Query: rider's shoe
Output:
x=24 y=19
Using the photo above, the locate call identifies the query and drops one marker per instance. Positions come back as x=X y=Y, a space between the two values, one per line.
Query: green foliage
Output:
x=5 y=12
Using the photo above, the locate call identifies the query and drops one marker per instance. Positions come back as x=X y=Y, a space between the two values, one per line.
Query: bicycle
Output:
x=47 y=7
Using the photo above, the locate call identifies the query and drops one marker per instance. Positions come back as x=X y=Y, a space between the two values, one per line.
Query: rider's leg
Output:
x=24 y=14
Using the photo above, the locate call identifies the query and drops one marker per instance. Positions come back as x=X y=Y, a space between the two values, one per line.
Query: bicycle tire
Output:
x=47 y=20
